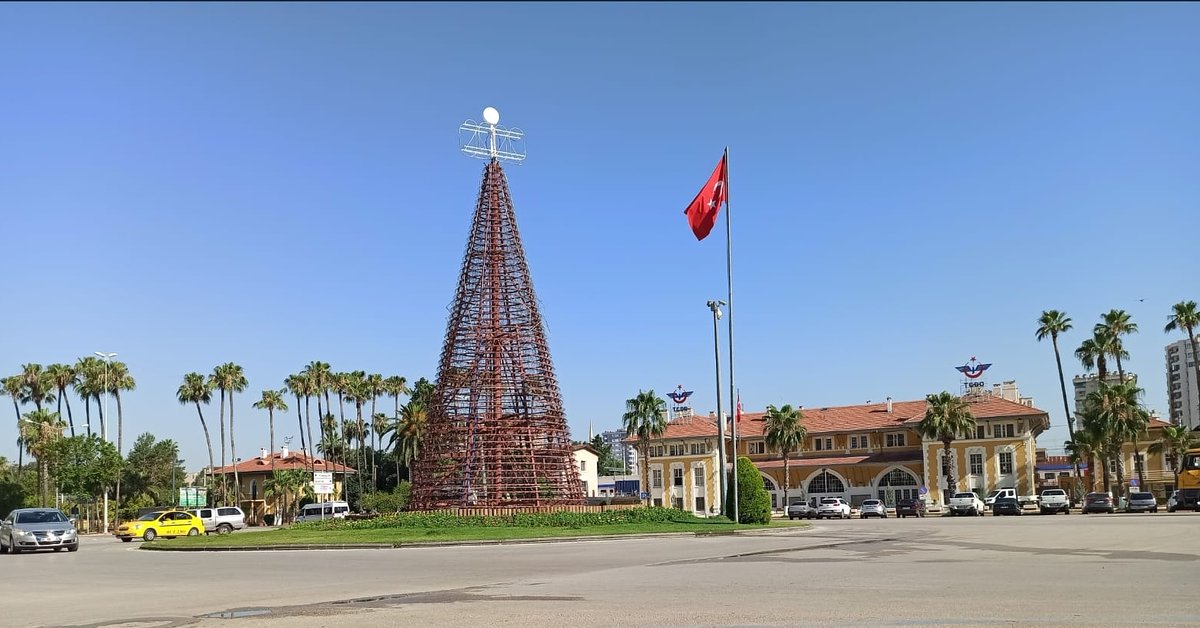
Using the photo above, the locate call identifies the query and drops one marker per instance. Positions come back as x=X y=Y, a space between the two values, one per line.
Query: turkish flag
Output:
x=702 y=212
x=739 y=406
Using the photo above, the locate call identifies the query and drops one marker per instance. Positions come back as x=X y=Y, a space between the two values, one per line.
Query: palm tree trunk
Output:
x=311 y=443
x=951 y=485
x=120 y=425
x=374 y=446
x=70 y=419
x=87 y=413
x=224 y=484
x=237 y=486
x=208 y=441
x=1062 y=385
x=300 y=422
x=646 y=471
x=20 y=441
x=271 y=423
x=785 y=481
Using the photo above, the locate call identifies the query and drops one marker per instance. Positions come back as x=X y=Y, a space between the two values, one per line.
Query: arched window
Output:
x=254 y=489
x=897 y=484
x=768 y=484
x=826 y=482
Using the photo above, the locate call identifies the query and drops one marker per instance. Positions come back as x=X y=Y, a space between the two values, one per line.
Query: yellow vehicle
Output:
x=1189 y=480
x=170 y=523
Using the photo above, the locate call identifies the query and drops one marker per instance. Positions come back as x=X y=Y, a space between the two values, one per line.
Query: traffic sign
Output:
x=323 y=482
x=924 y=490
x=644 y=495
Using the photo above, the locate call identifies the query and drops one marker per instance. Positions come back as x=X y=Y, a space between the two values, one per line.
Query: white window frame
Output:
x=1012 y=462
x=755 y=447
x=999 y=430
x=656 y=476
x=822 y=443
x=889 y=439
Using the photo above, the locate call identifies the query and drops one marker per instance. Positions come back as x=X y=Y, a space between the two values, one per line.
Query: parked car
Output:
x=1173 y=502
x=1000 y=493
x=28 y=529
x=221 y=520
x=872 y=508
x=1142 y=502
x=1006 y=506
x=831 y=507
x=169 y=524
x=1098 y=502
x=910 y=508
x=1053 y=501
x=966 y=503
x=801 y=510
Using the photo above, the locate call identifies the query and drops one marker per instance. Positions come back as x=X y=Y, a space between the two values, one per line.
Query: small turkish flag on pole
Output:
x=702 y=212
x=739 y=406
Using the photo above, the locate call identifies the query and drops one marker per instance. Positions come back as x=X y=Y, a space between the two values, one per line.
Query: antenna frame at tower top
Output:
x=488 y=140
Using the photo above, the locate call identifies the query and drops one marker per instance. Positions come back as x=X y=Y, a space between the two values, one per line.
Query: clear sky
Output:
x=911 y=185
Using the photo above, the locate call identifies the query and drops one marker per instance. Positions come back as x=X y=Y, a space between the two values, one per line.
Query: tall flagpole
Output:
x=732 y=383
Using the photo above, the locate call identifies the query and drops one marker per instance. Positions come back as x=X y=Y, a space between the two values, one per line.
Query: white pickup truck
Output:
x=1009 y=493
x=966 y=503
x=1054 y=500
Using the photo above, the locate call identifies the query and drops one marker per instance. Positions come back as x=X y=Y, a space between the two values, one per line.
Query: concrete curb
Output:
x=481 y=542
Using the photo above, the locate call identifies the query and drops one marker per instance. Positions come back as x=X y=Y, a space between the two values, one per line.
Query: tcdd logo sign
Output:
x=680 y=396
x=973 y=369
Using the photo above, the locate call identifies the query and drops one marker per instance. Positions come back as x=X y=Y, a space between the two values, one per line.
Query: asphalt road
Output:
x=1061 y=570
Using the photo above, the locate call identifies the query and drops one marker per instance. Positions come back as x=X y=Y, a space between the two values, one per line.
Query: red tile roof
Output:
x=294 y=460
x=850 y=418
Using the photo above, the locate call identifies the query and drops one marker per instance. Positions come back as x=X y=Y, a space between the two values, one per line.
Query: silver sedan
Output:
x=27 y=529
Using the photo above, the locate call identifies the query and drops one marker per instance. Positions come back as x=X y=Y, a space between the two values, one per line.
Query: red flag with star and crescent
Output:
x=739 y=406
x=703 y=210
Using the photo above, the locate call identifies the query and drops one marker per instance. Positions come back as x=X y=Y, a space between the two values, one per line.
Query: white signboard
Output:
x=322 y=482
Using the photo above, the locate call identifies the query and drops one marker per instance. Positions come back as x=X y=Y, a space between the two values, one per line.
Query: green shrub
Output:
x=394 y=501
x=561 y=519
x=754 y=503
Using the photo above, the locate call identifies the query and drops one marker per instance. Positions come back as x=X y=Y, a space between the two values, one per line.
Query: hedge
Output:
x=560 y=519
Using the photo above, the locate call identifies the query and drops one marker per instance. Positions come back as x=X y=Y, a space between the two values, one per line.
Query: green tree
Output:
x=646 y=418
x=407 y=439
x=271 y=401
x=1051 y=324
x=152 y=471
x=288 y=486
x=608 y=464
x=40 y=429
x=1185 y=316
x=319 y=375
x=63 y=376
x=85 y=465
x=1094 y=437
x=784 y=433
x=1176 y=440
x=197 y=390
x=89 y=387
x=38 y=385
x=374 y=386
x=946 y=417
x=297 y=384
x=423 y=391
x=1086 y=448
x=754 y=504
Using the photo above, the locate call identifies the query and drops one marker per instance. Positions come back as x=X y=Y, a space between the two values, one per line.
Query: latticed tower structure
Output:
x=496 y=434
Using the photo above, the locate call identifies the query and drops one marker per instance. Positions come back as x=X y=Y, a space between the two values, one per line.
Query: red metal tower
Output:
x=496 y=434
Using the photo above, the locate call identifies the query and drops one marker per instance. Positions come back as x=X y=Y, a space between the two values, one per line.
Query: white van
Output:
x=323 y=510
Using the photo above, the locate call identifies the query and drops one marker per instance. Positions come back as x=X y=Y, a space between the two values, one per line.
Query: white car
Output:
x=872 y=508
x=831 y=507
x=1173 y=502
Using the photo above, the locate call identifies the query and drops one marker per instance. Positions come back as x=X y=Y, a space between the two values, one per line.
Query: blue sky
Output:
x=911 y=186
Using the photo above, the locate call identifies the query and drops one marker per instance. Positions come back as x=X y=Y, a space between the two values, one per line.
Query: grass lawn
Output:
x=399 y=536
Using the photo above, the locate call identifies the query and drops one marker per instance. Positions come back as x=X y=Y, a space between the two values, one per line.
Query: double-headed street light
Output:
x=107 y=357
x=715 y=306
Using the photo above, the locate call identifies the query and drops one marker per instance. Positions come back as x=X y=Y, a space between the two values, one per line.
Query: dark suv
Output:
x=910 y=507
x=1097 y=502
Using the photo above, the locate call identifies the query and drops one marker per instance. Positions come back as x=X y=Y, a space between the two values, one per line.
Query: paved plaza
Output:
x=1062 y=570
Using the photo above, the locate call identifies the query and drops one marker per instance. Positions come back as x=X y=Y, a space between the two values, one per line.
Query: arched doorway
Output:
x=898 y=483
x=825 y=484
x=772 y=490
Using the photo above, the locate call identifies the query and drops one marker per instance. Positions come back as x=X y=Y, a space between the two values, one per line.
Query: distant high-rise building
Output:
x=621 y=450
x=1183 y=391
x=1087 y=384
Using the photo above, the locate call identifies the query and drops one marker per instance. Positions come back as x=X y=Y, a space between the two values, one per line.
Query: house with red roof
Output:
x=253 y=473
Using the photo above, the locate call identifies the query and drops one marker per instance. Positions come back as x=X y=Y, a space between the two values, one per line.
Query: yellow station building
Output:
x=856 y=453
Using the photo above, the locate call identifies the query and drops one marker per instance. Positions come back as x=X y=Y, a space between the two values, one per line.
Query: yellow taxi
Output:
x=169 y=523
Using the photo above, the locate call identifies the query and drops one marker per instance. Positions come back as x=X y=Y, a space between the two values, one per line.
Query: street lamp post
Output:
x=107 y=357
x=715 y=306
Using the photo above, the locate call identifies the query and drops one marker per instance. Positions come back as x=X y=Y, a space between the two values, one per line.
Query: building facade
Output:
x=1087 y=384
x=856 y=453
x=1183 y=391
x=254 y=473
x=621 y=450
x=587 y=460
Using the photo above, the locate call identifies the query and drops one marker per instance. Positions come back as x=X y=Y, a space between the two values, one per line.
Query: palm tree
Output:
x=119 y=379
x=290 y=486
x=195 y=389
x=1086 y=447
x=1117 y=323
x=340 y=382
x=645 y=417
x=1119 y=416
x=14 y=387
x=406 y=440
x=376 y=387
x=64 y=375
x=1176 y=440
x=89 y=387
x=785 y=433
x=356 y=390
x=395 y=386
x=1185 y=316
x=271 y=401
x=40 y=429
x=230 y=379
x=1052 y=323
x=297 y=385
x=946 y=416
x=318 y=374
x=37 y=385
